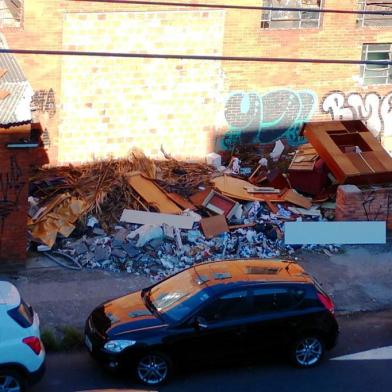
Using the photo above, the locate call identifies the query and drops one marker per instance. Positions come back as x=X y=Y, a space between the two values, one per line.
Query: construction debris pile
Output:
x=156 y=217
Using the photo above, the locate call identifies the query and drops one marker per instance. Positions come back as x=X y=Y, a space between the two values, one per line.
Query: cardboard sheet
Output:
x=313 y=233
x=153 y=194
x=214 y=225
x=56 y=220
x=155 y=218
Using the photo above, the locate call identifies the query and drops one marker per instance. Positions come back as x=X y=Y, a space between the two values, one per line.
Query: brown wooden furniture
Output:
x=350 y=151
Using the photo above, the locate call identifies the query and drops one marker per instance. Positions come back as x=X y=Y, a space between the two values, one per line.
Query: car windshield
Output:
x=179 y=295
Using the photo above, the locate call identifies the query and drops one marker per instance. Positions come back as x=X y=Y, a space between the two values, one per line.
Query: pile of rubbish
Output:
x=156 y=217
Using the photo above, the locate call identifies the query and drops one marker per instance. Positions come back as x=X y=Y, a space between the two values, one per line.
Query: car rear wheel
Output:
x=307 y=351
x=11 y=381
x=153 y=369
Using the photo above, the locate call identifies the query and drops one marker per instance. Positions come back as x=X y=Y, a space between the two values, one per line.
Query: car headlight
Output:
x=116 y=346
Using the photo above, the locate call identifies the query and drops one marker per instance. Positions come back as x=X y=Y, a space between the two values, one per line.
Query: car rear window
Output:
x=317 y=284
x=22 y=314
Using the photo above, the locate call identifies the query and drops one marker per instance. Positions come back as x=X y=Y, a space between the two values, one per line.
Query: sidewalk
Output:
x=360 y=279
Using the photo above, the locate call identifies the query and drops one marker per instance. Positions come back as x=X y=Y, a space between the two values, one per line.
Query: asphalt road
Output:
x=76 y=371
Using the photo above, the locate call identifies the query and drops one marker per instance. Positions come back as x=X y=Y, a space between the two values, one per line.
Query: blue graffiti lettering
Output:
x=262 y=119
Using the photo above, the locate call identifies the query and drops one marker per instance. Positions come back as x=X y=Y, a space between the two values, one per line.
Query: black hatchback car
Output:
x=213 y=311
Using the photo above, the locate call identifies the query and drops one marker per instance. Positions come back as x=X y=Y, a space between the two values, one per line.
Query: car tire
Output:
x=307 y=351
x=11 y=380
x=153 y=368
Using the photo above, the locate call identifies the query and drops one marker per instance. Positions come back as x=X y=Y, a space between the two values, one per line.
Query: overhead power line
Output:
x=194 y=57
x=241 y=7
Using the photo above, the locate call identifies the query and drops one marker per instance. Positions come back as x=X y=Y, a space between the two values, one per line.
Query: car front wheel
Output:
x=11 y=381
x=153 y=369
x=307 y=351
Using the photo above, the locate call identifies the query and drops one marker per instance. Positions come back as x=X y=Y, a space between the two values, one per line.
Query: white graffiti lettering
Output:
x=374 y=110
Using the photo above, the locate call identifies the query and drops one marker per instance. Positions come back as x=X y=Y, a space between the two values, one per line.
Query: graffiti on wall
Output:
x=44 y=101
x=373 y=109
x=254 y=118
x=11 y=186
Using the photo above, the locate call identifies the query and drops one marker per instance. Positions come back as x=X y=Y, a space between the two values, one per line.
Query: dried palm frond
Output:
x=104 y=187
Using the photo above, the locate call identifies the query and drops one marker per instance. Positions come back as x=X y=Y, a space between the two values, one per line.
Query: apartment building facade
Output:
x=98 y=106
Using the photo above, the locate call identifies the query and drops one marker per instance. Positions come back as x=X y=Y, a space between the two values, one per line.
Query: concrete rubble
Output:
x=156 y=251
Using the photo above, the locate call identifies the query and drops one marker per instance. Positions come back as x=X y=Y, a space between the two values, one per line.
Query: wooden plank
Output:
x=198 y=198
x=234 y=188
x=180 y=201
x=372 y=158
x=272 y=207
x=313 y=233
x=156 y=218
x=360 y=163
x=382 y=155
x=152 y=194
x=244 y=226
x=293 y=197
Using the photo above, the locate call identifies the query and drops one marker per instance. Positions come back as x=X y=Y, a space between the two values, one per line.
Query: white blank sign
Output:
x=306 y=233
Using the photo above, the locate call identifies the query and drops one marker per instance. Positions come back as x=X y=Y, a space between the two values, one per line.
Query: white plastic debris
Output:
x=145 y=234
x=214 y=159
x=43 y=248
x=196 y=217
x=253 y=209
x=277 y=151
x=92 y=221
x=236 y=166
x=263 y=162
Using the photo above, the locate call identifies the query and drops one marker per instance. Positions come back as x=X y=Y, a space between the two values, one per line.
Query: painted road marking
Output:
x=374 y=354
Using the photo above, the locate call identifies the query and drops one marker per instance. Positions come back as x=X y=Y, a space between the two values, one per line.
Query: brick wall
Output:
x=205 y=105
x=14 y=174
x=364 y=204
x=110 y=105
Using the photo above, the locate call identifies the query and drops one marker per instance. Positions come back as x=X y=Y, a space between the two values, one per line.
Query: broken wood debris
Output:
x=152 y=194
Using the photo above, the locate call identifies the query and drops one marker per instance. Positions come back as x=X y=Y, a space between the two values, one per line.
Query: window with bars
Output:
x=375 y=20
x=374 y=73
x=291 y=19
x=11 y=13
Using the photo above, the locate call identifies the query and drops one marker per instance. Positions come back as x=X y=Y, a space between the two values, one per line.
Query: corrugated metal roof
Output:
x=16 y=107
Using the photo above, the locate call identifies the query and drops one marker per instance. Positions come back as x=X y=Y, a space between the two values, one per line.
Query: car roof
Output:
x=251 y=270
x=9 y=295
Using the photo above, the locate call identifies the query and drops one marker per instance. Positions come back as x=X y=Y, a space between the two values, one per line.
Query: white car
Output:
x=22 y=354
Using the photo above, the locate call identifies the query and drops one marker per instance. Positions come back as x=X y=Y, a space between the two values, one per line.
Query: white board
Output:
x=313 y=233
x=156 y=218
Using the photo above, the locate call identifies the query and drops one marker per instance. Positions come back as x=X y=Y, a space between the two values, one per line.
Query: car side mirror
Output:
x=201 y=323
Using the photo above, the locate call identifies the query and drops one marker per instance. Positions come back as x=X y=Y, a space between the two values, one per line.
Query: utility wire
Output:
x=195 y=57
x=240 y=7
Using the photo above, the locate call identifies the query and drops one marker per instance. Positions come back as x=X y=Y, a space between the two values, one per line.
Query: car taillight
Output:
x=327 y=302
x=34 y=343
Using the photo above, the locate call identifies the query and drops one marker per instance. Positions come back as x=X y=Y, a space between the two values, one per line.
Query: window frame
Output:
x=17 y=23
x=301 y=20
x=363 y=19
x=366 y=67
x=215 y=299
x=288 y=289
